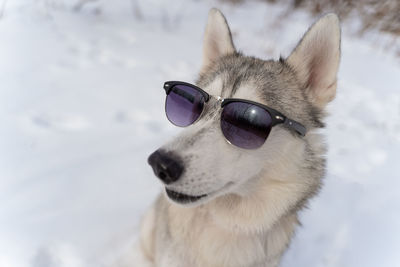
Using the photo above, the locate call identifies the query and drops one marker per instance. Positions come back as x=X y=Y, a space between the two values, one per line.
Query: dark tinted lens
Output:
x=245 y=125
x=184 y=105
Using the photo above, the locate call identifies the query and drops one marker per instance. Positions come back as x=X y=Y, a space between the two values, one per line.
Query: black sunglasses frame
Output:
x=276 y=116
x=168 y=87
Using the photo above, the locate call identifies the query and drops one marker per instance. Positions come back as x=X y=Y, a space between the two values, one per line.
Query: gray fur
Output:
x=250 y=213
x=276 y=83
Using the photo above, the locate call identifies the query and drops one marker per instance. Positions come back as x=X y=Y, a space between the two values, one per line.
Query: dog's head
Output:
x=200 y=165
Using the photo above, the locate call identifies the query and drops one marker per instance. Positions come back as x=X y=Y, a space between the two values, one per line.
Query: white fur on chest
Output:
x=194 y=239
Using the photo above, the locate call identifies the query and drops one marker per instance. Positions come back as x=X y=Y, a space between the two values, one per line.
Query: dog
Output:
x=225 y=205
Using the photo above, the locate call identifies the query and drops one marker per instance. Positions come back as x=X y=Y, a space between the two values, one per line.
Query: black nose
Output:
x=165 y=166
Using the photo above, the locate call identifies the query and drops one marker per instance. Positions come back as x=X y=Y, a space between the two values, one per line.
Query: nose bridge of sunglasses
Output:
x=219 y=100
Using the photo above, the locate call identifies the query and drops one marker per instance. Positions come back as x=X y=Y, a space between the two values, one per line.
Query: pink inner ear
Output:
x=215 y=50
x=315 y=78
x=319 y=58
x=316 y=60
x=322 y=71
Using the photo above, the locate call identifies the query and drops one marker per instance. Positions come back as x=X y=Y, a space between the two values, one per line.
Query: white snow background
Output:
x=81 y=108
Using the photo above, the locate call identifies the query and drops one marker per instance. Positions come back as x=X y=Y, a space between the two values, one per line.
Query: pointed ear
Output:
x=217 y=38
x=316 y=60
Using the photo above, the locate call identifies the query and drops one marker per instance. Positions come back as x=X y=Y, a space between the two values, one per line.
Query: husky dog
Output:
x=225 y=204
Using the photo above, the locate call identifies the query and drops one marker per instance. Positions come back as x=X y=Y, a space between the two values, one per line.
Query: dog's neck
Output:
x=231 y=223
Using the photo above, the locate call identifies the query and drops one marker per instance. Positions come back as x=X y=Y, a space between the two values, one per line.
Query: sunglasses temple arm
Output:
x=300 y=129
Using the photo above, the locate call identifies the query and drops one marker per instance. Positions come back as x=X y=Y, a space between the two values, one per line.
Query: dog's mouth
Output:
x=182 y=198
x=188 y=199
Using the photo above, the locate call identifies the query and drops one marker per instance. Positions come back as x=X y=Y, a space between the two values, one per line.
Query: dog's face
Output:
x=205 y=163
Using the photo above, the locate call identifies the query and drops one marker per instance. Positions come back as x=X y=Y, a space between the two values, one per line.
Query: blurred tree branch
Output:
x=137 y=12
x=3 y=8
x=79 y=5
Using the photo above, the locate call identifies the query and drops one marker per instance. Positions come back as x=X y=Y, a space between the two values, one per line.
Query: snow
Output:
x=81 y=108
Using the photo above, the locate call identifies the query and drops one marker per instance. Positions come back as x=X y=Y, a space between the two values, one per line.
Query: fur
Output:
x=254 y=196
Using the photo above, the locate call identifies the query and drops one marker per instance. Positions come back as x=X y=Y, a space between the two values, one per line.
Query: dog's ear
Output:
x=217 y=38
x=316 y=60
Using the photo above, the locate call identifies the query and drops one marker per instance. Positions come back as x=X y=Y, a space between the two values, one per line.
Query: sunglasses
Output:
x=244 y=123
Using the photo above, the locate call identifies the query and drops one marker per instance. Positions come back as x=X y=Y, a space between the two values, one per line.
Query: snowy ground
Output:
x=81 y=107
